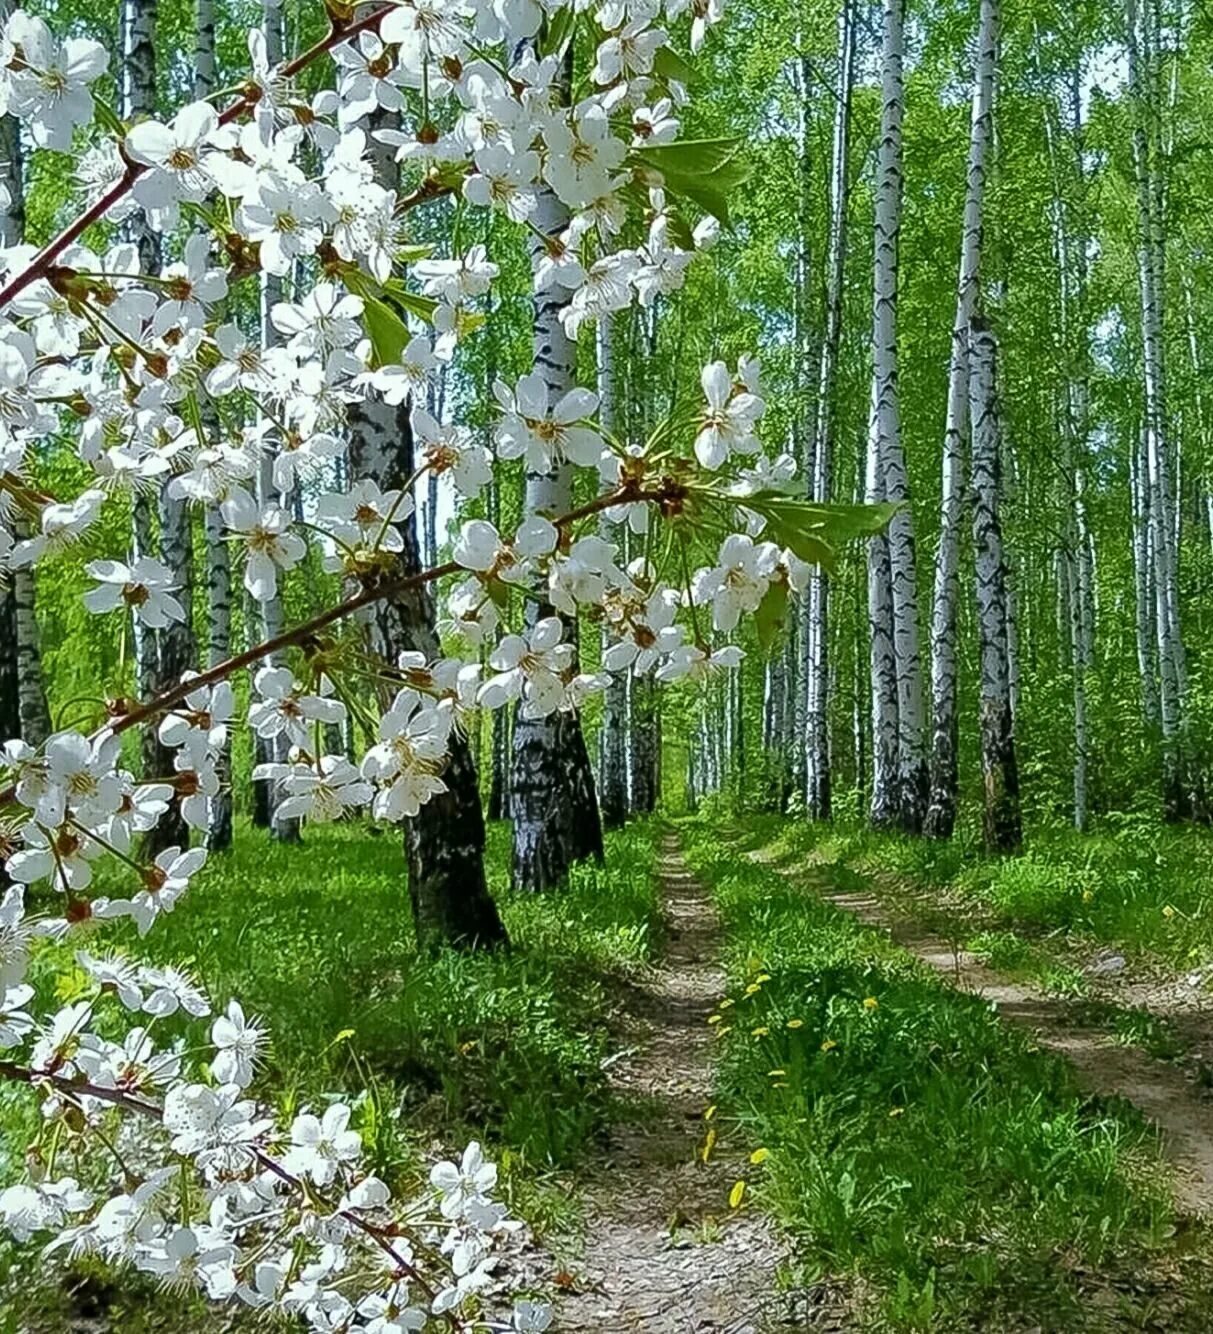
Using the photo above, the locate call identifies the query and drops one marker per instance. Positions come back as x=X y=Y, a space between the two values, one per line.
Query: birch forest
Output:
x=646 y=564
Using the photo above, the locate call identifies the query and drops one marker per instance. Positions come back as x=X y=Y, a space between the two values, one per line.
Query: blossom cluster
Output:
x=163 y=391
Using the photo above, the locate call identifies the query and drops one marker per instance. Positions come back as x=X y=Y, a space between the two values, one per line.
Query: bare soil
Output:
x=664 y=1253
x=1159 y=1089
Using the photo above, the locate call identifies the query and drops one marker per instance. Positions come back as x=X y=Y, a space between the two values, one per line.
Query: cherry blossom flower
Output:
x=270 y=544
x=320 y=1145
x=728 y=425
x=284 y=710
x=546 y=435
x=409 y=756
x=146 y=587
x=239 y=1043
x=532 y=669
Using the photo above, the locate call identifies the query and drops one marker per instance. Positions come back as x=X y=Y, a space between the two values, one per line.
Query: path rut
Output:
x=664 y=1253
x=1103 y=1066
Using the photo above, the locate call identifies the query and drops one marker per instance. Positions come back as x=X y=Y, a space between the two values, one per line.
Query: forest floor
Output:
x=664 y=1252
x=1167 y=1097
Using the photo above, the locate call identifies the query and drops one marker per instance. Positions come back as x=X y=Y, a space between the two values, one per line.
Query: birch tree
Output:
x=818 y=764
x=1001 y=823
x=941 y=813
x=22 y=686
x=1157 y=483
x=613 y=776
x=900 y=777
x=552 y=798
x=137 y=19
x=270 y=795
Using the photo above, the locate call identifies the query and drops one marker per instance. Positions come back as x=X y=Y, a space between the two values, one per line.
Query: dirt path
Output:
x=1159 y=1090
x=663 y=1252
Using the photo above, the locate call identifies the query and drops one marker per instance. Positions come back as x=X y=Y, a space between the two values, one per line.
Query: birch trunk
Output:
x=941 y=813
x=1001 y=824
x=900 y=777
x=613 y=783
x=1172 y=667
x=23 y=707
x=554 y=805
x=818 y=761
x=444 y=843
x=1143 y=583
x=217 y=553
x=267 y=796
x=12 y=228
x=805 y=420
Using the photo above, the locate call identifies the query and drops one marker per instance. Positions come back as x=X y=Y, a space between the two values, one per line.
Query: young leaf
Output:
x=703 y=170
x=771 y=611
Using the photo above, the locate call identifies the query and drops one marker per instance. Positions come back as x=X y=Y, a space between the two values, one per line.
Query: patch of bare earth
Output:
x=1159 y=1089
x=664 y=1253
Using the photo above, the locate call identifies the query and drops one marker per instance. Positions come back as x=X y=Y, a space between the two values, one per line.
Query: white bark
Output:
x=818 y=687
x=554 y=805
x=900 y=778
x=270 y=612
x=1001 y=824
x=612 y=776
x=1172 y=667
x=23 y=707
x=941 y=815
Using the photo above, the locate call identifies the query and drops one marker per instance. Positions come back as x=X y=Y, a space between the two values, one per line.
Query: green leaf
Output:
x=556 y=32
x=388 y=332
x=703 y=170
x=668 y=64
x=770 y=614
x=814 y=531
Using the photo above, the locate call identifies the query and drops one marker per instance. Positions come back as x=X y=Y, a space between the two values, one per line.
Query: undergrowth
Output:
x=904 y=1135
x=439 y=1047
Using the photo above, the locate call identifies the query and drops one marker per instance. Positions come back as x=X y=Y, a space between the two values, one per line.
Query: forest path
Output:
x=663 y=1251
x=1159 y=1090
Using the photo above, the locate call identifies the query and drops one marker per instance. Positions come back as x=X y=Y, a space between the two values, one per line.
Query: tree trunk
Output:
x=612 y=783
x=1164 y=554
x=553 y=802
x=267 y=796
x=941 y=813
x=1001 y=823
x=818 y=763
x=138 y=99
x=20 y=666
x=900 y=778
x=444 y=842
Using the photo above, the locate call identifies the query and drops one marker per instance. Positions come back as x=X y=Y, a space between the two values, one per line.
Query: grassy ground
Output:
x=1129 y=883
x=912 y=1143
x=317 y=941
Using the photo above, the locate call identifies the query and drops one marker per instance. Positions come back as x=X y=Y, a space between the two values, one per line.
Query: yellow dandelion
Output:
x=829 y=1044
x=776 y=1074
x=1168 y=912
x=715 y=1018
x=795 y=1023
x=759 y=1156
x=762 y=977
x=736 y=1195
x=709 y=1112
x=870 y=1003
x=896 y=1111
x=709 y=1144
x=724 y=1004
x=761 y=1031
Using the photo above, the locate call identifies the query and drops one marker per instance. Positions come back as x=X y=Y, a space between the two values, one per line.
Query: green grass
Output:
x=438 y=1047
x=916 y=1144
x=1130 y=883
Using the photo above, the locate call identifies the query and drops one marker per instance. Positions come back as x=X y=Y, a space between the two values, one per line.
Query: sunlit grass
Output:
x=913 y=1139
